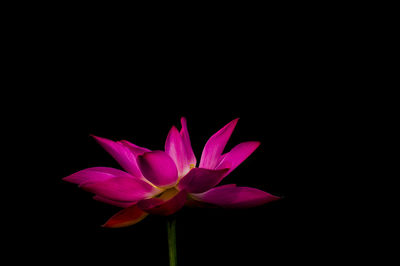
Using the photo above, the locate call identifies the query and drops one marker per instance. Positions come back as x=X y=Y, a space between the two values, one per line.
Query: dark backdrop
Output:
x=287 y=164
x=278 y=86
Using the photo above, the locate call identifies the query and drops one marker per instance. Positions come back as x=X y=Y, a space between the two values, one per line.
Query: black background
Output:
x=289 y=163
x=275 y=79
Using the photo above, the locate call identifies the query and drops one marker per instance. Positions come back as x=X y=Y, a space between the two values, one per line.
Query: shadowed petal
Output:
x=126 y=217
x=95 y=174
x=158 y=168
x=237 y=155
x=121 y=189
x=227 y=185
x=174 y=148
x=168 y=203
x=190 y=158
x=122 y=204
x=215 y=146
x=121 y=153
x=199 y=180
x=235 y=197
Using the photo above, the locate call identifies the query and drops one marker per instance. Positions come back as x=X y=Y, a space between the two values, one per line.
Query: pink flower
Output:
x=161 y=182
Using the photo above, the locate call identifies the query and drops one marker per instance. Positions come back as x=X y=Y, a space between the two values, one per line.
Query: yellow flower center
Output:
x=168 y=194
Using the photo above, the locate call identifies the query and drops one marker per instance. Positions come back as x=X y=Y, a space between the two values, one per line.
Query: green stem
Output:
x=171 y=224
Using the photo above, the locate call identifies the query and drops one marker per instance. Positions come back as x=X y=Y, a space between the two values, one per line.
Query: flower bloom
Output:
x=162 y=182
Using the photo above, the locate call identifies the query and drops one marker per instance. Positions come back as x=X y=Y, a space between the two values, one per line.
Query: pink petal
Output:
x=215 y=146
x=134 y=148
x=235 y=197
x=121 y=153
x=126 y=217
x=190 y=158
x=237 y=155
x=122 y=204
x=158 y=168
x=193 y=202
x=168 y=203
x=199 y=179
x=121 y=189
x=174 y=148
x=95 y=174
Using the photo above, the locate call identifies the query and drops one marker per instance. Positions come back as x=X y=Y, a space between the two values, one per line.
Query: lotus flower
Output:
x=162 y=182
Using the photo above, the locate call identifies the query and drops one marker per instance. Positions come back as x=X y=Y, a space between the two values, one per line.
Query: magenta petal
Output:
x=158 y=168
x=122 y=204
x=190 y=158
x=121 y=189
x=237 y=155
x=235 y=197
x=199 y=180
x=136 y=150
x=215 y=146
x=95 y=174
x=121 y=153
x=174 y=148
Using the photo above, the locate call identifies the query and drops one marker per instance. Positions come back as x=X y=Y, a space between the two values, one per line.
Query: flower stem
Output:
x=171 y=224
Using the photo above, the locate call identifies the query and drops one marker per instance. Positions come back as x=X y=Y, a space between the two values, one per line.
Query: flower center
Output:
x=168 y=194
